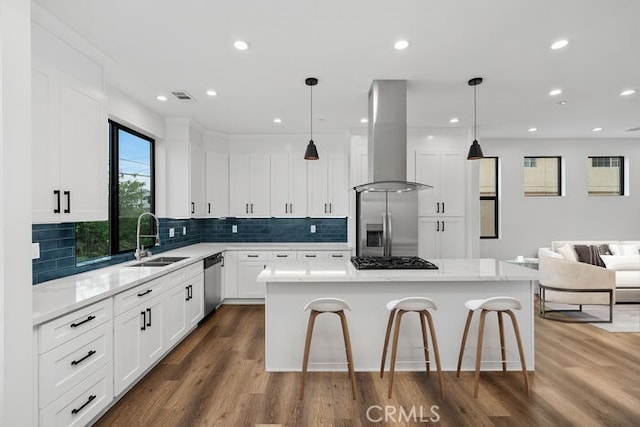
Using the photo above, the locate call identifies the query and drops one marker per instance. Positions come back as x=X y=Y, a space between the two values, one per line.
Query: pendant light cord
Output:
x=474 y=113
x=311 y=117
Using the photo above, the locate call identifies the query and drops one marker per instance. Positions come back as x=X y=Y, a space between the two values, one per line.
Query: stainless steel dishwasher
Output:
x=212 y=282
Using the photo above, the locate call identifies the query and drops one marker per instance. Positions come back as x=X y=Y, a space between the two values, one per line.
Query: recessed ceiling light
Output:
x=454 y=120
x=161 y=98
x=559 y=44
x=363 y=120
x=401 y=45
x=211 y=92
x=563 y=102
x=627 y=92
x=430 y=136
x=596 y=129
x=277 y=120
x=241 y=45
x=554 y=92
x=533 y=129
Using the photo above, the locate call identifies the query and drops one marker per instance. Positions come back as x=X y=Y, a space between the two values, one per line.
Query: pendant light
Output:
x=475 y=152
x=312 y=152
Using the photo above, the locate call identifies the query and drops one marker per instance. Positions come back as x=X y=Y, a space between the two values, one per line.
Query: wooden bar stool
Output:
x=317 y=307
x=500 y=305
x=397 y=309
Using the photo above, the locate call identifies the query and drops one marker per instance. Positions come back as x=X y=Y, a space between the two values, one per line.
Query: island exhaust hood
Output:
x=388 y=139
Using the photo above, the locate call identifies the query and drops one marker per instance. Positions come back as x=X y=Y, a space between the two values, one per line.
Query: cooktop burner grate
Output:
x=391 y=262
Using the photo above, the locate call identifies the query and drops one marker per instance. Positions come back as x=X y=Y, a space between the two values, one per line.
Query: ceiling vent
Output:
x=636 y=129
x=183 y=95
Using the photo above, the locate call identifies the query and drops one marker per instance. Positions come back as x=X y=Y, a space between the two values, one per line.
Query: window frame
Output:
x=621 y=162
x=495 y=200
x=559 y=159
x=114 y=180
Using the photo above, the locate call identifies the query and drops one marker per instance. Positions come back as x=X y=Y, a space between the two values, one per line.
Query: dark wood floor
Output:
x=584 y=377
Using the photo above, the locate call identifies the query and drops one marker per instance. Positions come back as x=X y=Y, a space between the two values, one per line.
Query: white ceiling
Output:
x=164 y=45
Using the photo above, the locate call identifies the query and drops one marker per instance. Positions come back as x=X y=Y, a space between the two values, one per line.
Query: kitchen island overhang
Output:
x=289 y=286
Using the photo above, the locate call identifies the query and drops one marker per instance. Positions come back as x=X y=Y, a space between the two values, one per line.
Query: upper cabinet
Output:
x=197 y=181
x=249 y=185
x=444 y=170
x=217 y=184
x=327 y=186
x=70 y=156
x=288 y=185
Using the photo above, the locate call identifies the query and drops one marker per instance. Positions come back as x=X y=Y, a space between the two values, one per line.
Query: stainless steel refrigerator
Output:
x=387 y=223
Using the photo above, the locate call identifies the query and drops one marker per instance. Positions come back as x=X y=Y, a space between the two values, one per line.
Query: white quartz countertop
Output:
x=60 y=296
x=449 y=270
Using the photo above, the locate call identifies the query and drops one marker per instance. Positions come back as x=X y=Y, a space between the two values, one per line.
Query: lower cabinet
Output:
x=250 y=264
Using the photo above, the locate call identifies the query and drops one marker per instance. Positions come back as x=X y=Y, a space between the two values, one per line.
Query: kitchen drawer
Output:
x=69 y=364
x=311 y=255
x=339 y=255
x=131 y=298
x=82 y=403
x=72 y=325
x=282 y=256
x=253 y=256
x=181 y=275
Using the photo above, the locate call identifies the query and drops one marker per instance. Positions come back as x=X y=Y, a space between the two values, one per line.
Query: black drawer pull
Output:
x=148 y=291
x=149 y=321
x=88 y=319
x=282 y=256
x=337 y=256
x=252 y=256
x=77 y=362
x=310 y=256
x=68 y=194
x=76 y=410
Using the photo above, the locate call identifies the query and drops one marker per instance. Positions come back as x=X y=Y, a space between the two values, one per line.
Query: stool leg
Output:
x=347 y=345
x=392 y=314
x=394 y=350
x=476 y=383
x=307 y=346
x=436 y=351
x=514 y=321
x=464 y=341
x=425 y=341
x=502 y=345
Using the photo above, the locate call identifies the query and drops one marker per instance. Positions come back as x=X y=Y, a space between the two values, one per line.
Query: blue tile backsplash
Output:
x=57 y=241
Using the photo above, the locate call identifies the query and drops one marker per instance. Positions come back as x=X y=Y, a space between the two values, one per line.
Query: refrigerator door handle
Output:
x=385 y=233
x=389 y=235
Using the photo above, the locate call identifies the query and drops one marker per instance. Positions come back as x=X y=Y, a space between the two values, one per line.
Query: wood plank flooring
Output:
x=584 y=377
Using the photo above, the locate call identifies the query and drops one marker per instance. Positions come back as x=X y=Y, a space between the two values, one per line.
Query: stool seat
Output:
x=327 y=305
x=412 y=304
x=494 y=304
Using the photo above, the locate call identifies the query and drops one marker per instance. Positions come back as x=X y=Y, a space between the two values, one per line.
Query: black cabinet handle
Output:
x=193 y=207
x=442 y=225
x=442 y=207
x=286 y=208
x=222 y=261
x=251 y=207
x=149 y=321
x=88 y=319
x=246 y=208
x=330 y=207
x=290 y=207
x=77 y=362
x=190 y=291
x=437 y=207
x=144 y=321
x=57 y=194
x=68 y=194
x=187 y=290
x=325 y=208
x=309 y=256
x=281 y=256
x=208 y=207
x=438 y=224
x=252 y=256
x=148 y=291
x=337 y=256
x=76 y=410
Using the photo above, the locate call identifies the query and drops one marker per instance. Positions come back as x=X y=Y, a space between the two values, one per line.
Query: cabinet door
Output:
x=452 y=242
x=127 y=348
x=230 y=273
x=197 y=181
x=338 y=186
x=428 y=172
x=317 y=173
x=429 y=238
x=248 y=286
x=239 y=184
x=195 y=304
x=260 y=185
x=297 y=186
x=452 y=179
x=152 y=336
x=174 y=314
x=217 y=185
x=280 y=199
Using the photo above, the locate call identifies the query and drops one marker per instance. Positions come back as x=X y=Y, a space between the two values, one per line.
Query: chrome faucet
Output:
x=141 y=252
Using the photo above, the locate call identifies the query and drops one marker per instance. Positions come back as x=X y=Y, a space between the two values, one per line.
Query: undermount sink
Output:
x=158 y=262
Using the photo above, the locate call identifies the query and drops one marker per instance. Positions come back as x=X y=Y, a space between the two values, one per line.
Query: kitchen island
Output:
x=289 y=286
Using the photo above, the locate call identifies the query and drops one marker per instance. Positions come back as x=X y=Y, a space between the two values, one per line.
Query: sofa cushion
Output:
x=621 y=262
x=567 y=252
x=623 y=249
x=590 y=254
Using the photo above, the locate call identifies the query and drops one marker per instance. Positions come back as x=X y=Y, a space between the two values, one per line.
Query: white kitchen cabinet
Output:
x=70 y=156
x=194 y=300
x=217 y=184
x=230 y=274
x=441 y=238
x=250 y=264
x=288 y=185
x=197 y=161
x=183 y=303
x=174 y=322
x=328 y=191
x=249 y=185
x=445 y=171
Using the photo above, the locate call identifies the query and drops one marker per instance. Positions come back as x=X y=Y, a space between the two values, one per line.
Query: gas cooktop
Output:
x=391 y=262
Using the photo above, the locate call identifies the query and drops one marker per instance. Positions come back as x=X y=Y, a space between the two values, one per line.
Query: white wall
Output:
x=289 y=143
x=16 y=345
x=527 y=223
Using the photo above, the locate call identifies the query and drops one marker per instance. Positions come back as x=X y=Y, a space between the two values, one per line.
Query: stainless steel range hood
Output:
x=388 y=138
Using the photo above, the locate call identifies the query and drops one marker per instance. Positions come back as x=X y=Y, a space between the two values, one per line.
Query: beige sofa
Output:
x=569 y=281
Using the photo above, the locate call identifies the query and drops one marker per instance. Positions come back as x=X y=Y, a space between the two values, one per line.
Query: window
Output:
x=131 y=192
x=541 y=176
x=605 y=176
x=489 y=198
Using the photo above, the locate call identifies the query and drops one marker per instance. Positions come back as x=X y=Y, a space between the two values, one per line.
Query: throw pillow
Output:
x=567 y=252
x=617 y=249
x=590 y=254
x=621 y=262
